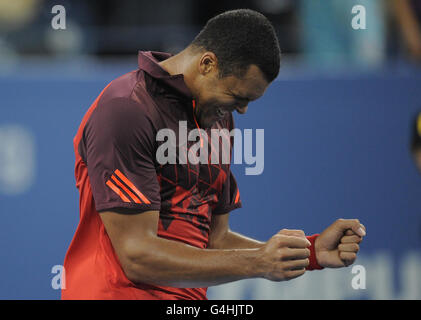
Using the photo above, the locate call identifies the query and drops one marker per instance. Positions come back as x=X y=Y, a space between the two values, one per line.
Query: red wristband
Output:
x=313 y=261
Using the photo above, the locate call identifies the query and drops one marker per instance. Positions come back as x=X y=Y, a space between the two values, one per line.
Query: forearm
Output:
x=234 y=240
x=171 y=263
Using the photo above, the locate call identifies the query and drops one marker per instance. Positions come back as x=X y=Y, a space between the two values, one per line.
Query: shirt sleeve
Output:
x=119 y=142
x=230 y=195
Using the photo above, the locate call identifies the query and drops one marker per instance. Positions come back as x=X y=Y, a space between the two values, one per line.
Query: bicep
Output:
x=129 y=233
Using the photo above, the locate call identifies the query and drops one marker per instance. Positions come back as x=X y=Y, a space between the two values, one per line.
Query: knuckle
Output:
x=280 y=242
x=277 y=238
x=281 y=254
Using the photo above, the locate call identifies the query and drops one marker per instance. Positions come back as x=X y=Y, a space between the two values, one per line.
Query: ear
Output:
x=208 y=63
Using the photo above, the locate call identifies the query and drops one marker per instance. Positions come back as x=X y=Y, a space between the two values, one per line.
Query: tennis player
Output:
x=149 y=230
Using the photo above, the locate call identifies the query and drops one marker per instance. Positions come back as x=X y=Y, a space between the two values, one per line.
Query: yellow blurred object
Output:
x=17 y=13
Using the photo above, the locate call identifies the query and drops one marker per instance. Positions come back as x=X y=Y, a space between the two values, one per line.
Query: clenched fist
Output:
x=284 y=256
x=337 y=246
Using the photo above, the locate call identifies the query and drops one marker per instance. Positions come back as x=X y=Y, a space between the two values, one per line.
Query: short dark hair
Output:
x=240 y=38
x=416 y=133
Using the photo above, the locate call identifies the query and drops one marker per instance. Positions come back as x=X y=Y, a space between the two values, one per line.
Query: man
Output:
x=150 y=230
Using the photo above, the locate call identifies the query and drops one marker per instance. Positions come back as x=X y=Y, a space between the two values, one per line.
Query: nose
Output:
x=242 y=109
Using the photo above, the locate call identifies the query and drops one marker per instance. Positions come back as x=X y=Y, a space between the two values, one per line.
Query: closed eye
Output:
x=242 y=99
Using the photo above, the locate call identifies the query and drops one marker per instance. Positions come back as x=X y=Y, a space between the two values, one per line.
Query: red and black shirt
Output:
x=116 y=168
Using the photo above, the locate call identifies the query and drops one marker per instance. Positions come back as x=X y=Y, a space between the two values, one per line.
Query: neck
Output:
x=182 y=63
x=176 y=64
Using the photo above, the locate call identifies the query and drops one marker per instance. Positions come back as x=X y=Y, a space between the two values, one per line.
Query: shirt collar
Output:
x=148 y=61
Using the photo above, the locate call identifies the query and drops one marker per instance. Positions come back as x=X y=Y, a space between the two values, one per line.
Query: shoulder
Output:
x=121 y=111
x=129 y=94
x=125 y=105
x=120 y=120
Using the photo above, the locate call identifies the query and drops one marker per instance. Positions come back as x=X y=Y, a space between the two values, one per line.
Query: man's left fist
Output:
x=338 y=244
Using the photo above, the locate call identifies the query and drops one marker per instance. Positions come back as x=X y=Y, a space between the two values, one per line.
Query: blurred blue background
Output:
x=337 y=126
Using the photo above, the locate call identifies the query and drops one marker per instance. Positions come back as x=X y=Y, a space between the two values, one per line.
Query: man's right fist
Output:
x=284 y=256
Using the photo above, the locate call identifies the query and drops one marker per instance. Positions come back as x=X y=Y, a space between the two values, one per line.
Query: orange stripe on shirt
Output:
x=237 y=197
x=132 y=186
x=197 y=125
x=117 y=190
x=136 y=199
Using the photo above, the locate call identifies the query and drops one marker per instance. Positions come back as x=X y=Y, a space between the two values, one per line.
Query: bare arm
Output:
x=221 y=237
x=147 y=258
x=336 y=247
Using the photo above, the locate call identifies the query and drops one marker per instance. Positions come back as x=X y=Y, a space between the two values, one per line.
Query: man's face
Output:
x=217 y=96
